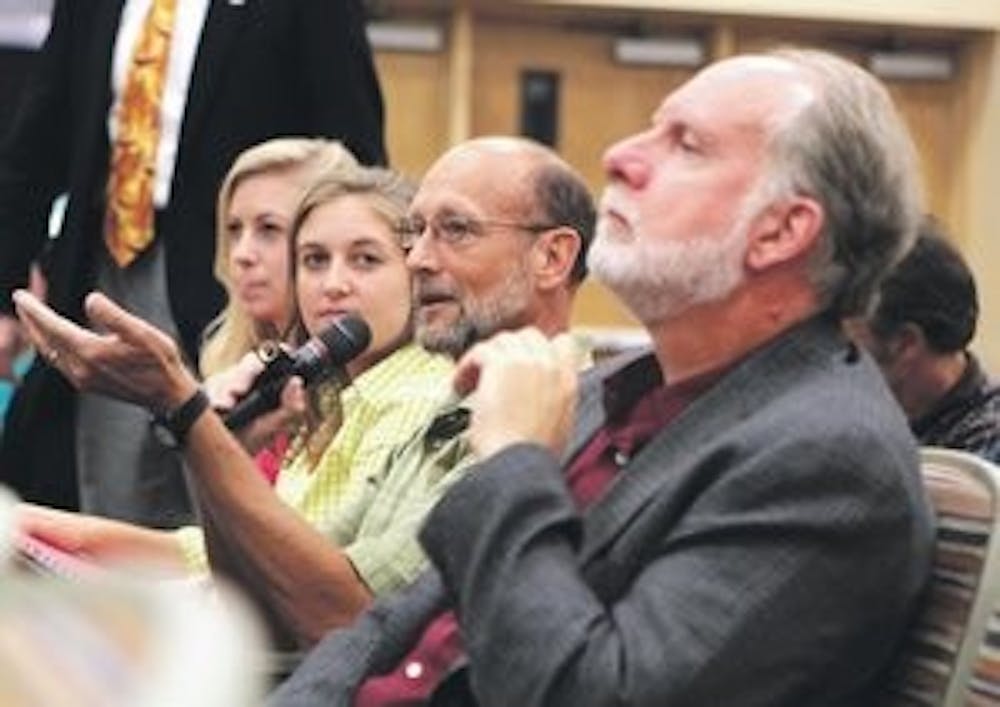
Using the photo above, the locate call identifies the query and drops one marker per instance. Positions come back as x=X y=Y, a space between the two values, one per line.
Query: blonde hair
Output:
x=233 y=333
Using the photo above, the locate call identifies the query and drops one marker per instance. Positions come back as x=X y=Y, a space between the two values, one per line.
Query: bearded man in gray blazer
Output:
x=737 y=517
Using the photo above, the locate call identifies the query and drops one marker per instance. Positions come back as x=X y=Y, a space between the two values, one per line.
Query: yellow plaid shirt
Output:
x=382 y=409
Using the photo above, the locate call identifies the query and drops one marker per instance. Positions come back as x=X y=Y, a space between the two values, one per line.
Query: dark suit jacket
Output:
x=264 y=68
x=765 y=549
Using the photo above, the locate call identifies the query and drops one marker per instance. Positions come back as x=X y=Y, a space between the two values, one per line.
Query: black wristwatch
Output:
x=172 y=428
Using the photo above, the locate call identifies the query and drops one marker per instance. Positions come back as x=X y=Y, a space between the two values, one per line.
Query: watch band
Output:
x=180 y=420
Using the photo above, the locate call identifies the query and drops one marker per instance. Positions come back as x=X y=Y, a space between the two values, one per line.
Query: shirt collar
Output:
x=972 y=380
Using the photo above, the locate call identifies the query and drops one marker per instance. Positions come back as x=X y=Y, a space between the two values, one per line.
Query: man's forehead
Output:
x=476 y=180
x=759 y=84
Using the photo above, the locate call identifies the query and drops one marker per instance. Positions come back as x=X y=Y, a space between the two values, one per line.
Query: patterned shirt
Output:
x=378 y=524
x=967 y=418
x=382 y=409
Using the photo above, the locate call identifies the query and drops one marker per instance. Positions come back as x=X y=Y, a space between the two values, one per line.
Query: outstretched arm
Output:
x=305 y=584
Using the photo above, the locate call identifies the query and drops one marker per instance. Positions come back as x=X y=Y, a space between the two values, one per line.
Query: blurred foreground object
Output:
x=118 y=642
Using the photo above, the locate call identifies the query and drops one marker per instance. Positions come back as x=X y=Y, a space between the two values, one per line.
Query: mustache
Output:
x=427 y=289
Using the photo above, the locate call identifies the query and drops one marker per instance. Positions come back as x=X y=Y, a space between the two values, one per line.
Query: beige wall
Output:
x=977 y=197
x=415 y=90
x=956 y=124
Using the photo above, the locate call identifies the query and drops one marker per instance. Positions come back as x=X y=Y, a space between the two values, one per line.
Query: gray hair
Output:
x=851 y=151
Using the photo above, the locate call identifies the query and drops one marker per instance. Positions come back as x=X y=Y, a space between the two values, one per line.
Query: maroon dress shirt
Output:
x=638 y=406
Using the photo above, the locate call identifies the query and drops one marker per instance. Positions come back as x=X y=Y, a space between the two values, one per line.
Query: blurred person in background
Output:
x=919 y=333
x=18 y=354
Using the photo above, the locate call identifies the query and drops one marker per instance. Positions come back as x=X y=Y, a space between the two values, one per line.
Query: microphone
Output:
x=313 y=361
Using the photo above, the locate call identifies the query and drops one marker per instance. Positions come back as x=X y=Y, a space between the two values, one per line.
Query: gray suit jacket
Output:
x=764 y=549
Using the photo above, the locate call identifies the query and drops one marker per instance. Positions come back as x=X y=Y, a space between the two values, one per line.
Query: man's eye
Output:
x=410 y=227
x=456 y=228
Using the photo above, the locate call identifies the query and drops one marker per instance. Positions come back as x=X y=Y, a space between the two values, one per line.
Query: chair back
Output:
x=951 y=654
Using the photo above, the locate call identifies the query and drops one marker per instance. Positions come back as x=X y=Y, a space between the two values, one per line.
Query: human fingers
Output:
x=285 y=418
x=524 y=392
x=228 y=386
x=293 y=397
x=51 y=333
x=112 y=318
x=505 y=346
x=147 y=369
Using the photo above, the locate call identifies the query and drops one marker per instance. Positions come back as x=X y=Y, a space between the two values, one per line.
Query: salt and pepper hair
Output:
x=851 y=151
x=233 y=333
x=564 y=200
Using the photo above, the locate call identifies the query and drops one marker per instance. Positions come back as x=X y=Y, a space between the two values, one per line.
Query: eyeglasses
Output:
x=456 y=230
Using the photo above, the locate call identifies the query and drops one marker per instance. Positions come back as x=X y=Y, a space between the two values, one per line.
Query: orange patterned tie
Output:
x=128 y=228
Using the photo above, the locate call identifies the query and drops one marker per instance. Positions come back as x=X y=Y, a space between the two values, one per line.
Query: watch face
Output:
x=171 y=429
x=162 y=433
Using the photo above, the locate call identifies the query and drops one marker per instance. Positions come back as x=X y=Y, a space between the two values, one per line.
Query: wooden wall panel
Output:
x=601 y=101
x=415 y=90
x=932 y=112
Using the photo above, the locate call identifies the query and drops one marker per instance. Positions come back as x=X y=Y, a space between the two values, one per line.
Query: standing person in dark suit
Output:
x=234 y=73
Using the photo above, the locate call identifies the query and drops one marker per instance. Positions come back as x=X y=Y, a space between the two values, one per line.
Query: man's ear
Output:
x=784 y=232
x=553 y=255
x=907 y=343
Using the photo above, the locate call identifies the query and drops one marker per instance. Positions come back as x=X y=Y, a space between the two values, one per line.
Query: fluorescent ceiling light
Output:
x=405 y=37
x=660 y=51
x=926 y=65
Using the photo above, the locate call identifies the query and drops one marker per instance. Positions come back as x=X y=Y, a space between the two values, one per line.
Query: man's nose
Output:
x=626 y=162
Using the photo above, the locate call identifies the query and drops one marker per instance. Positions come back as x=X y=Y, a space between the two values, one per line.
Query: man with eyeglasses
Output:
x=496 y=240
x=734 y=517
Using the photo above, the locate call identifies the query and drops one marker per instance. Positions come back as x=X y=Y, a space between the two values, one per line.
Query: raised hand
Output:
x=125 y=357
x=523 y=389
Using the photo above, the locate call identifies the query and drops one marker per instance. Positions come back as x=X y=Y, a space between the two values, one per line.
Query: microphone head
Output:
x=346 y=338
x=331 y=348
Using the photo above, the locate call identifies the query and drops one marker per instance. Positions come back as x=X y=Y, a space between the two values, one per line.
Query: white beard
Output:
x=659 y=279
